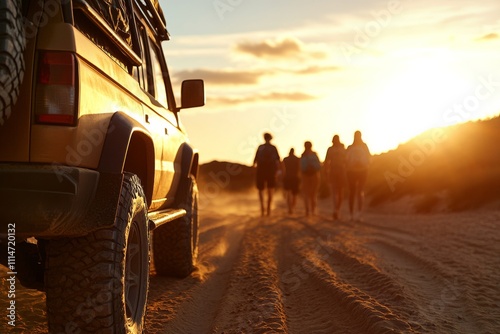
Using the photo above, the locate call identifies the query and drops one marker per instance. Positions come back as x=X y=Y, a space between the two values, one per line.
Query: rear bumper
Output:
x=56 y=201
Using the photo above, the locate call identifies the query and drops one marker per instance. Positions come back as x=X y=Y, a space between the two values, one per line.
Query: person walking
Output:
x=291 y=179
x=267 y=160
x=335 y=169
x=358 y=160
x=310 y=167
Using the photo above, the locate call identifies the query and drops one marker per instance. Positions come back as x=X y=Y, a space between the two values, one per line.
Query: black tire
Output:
x=99 y=283
x=175 y=244
x=12 y=45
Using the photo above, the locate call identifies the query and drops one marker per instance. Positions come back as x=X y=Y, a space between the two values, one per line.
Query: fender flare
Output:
x=189 y=163
x=189 y=166
x=121 y=130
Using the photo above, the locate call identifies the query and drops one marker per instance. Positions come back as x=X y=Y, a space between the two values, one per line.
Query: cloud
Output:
x=250 y=77
x=488 y=37
x=294 y=96
x=223 y=77
x=279 y=49
x=273 y=96
x=317 y=69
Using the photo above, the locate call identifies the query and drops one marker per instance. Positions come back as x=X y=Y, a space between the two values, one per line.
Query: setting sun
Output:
x=415 y=73
x=411 y=98
x=231 y=166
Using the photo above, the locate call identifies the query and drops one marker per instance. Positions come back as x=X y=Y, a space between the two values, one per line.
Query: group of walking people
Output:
x=342 y=166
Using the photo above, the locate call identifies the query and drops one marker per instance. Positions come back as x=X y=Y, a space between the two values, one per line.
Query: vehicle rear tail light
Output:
x=56 y=91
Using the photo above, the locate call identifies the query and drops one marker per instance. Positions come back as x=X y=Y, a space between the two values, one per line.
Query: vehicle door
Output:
x=161 y=122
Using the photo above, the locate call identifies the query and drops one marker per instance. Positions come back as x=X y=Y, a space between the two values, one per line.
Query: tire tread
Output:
x=81 y=274
x=175 y=243
x=12 y=45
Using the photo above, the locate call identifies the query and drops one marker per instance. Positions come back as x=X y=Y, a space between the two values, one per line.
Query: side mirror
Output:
x=192 y=93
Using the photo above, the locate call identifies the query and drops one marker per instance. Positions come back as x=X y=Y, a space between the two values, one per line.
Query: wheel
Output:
x=12 y=45
x=99 y=283
x=175 y=244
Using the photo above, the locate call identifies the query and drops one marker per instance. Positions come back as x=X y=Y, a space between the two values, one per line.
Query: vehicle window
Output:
x=104 y=22
x=116 y=14
x=156 y=73
x=89 y=29
x=138 y=71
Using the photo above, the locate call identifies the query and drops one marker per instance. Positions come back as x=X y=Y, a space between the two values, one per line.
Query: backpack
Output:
x=357 y=157
x=336 y=156
x=292 y=165
x=310 y=164
x=266 y=157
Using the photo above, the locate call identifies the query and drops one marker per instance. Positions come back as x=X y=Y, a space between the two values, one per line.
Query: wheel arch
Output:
x=189 y=166
x=140 y=161
x=128 y=147
x=194 y=163
x=189 y=160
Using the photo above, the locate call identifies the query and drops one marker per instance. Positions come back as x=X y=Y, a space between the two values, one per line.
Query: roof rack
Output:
x=95 y=17
x=153 y=12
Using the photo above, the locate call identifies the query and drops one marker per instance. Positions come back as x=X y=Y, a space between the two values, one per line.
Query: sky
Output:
x=306 y=70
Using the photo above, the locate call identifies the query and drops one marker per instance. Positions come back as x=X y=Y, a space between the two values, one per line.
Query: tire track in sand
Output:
x=253 y=302
x=190 y=305
x=309 y=306
x=328 y=291
x=441 y=304
x=447 y=265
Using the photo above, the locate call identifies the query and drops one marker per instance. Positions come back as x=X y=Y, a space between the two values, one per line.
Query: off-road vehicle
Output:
x=96 y=170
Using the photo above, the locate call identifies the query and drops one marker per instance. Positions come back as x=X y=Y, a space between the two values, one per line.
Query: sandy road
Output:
x=292 y=274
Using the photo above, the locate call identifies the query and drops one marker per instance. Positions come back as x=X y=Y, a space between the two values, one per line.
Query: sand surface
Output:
x=391 y=273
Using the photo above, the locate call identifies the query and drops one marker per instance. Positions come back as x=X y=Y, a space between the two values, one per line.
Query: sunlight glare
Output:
x=412 y=99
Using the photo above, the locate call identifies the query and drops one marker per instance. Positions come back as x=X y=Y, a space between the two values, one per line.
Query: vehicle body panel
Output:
x=61 y=180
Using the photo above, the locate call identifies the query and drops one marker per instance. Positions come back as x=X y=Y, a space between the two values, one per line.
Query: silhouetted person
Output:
x=358 y=161
x=335 y=168
x=310 y=167
x=291 y=179
x=267 y=160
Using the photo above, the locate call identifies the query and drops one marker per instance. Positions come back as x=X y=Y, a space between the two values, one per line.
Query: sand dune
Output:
x=400 y=273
